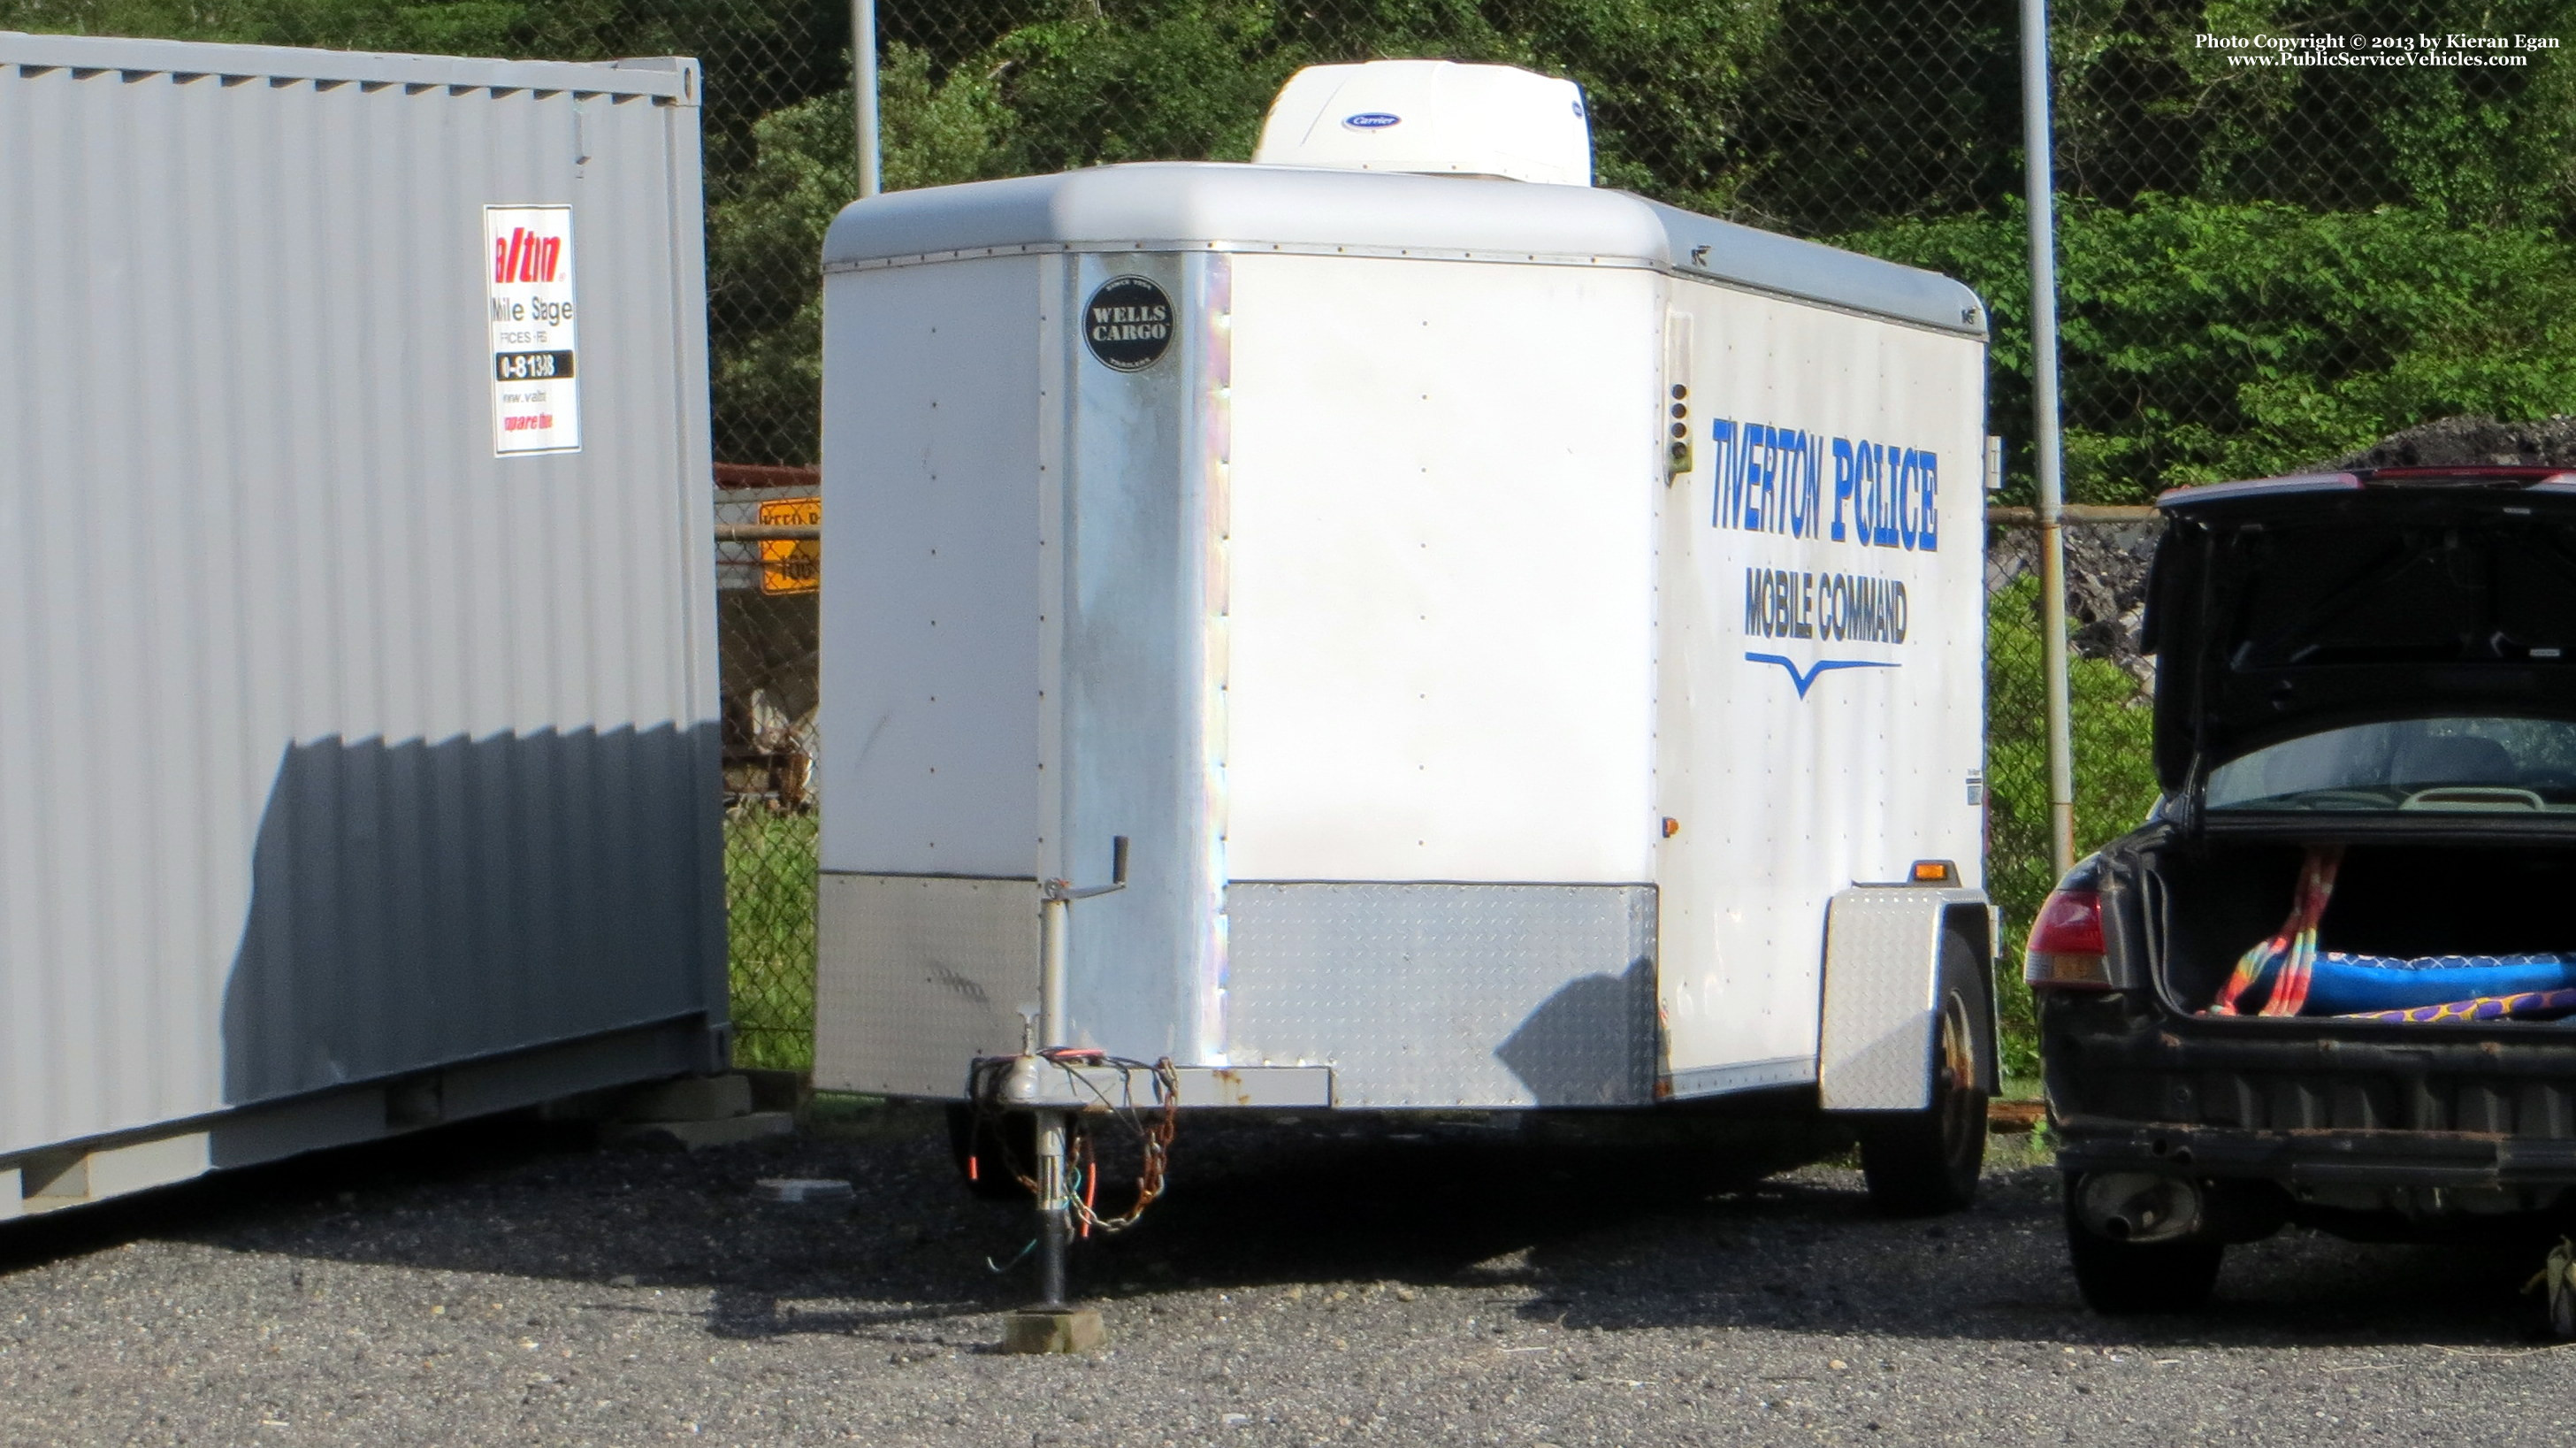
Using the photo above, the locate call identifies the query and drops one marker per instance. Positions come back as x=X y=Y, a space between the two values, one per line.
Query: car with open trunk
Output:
x=2332 y=980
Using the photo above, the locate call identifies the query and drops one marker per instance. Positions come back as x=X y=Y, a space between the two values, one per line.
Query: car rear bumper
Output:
x=2317 y=1159
x=2322 y=1105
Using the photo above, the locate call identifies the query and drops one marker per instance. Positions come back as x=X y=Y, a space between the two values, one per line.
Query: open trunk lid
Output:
x=2291 y=606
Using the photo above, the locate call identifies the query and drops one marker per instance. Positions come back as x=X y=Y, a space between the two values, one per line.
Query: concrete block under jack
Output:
x=1053 y=1329
x=690 y=1135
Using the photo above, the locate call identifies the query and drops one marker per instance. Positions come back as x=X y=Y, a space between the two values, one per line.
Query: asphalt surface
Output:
x=512 y=1284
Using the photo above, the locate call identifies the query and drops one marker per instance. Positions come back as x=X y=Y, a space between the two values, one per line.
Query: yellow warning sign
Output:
x=791 y=565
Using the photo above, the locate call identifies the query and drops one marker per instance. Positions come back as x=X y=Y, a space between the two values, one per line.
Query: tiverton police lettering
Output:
x=1784 y=603
x=1131 y=324
x=1770 y=480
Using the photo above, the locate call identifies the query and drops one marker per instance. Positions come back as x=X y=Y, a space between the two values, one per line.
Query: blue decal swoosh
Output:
x=1809 y=677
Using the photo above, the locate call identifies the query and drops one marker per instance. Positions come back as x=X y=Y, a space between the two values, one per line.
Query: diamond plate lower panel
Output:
x=1448 y=995
x=916 y=976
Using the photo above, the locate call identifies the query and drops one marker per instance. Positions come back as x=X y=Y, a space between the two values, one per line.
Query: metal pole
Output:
x=863 y=93
x=1055 y=1209
x=1055 y=915
x=1055 y=1195
x=2041 y=192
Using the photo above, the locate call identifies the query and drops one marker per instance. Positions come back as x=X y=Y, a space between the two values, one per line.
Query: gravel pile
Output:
x=2464 y=440
x=499 y=1285
x=2106 y=584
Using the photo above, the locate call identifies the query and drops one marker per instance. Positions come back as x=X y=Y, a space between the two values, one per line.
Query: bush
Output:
x=2205 y=341
x=2115 y=782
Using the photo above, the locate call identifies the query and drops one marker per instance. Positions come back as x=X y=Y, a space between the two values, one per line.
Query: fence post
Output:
x=2038 y=154
x=863 y=93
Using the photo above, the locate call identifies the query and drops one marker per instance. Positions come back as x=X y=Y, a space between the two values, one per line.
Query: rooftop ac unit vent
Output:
x=1431 y=116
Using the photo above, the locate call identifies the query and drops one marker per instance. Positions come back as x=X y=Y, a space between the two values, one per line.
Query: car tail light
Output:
x=2066 y=944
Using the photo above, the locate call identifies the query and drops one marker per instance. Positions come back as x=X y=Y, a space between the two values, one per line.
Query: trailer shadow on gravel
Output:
x=1594 y=1239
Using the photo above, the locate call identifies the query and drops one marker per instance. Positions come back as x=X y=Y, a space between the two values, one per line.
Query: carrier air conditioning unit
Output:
x=1436 y=117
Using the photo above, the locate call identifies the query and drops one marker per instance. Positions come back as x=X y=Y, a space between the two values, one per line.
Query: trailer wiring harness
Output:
x=1152 y=1125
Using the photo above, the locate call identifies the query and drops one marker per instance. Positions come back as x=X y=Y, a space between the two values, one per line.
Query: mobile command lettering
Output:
x=1518 y=646
x=359 y=764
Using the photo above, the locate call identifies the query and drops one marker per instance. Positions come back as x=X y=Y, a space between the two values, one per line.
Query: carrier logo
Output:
x=526 y=256
x=1372 y=121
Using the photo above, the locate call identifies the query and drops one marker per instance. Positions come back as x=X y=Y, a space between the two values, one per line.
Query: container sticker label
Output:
x=1128 y=323
x=536 y=394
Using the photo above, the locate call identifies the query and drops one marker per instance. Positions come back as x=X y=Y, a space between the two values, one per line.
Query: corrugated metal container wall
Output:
x=333 y=745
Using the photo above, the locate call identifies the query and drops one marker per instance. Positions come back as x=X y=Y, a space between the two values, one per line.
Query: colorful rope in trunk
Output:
x=2289 y=957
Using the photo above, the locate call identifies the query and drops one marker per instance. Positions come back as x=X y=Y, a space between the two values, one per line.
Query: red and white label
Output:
x=536 y=388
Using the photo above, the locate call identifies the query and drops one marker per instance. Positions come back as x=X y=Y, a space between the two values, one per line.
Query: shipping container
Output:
x=1512 y=644
x=358 y=740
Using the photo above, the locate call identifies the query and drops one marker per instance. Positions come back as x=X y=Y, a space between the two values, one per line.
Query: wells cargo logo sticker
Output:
x=527 y=268
x=1128 y=323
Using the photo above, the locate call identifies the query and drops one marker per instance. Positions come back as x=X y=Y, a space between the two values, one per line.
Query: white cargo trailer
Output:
x=1523 y=643
x=358 y=755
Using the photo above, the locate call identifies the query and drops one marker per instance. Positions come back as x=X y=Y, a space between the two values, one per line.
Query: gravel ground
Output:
x=510 y=1284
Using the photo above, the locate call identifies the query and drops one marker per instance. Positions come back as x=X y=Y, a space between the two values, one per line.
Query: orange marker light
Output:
x=1934 y=872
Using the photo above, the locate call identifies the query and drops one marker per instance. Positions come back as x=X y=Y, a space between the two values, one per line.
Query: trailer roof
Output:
x=670 y=78
x=1222 y=206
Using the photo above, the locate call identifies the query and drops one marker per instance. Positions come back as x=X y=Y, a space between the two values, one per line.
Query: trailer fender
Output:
x=1882 y=979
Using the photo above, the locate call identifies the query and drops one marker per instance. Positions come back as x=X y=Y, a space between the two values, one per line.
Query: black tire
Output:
x=2121 y=1278
x=986 y=1149
x=1924 y=1163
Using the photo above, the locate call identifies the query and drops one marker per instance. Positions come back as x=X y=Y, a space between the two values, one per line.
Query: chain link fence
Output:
x=2285 y=232
x=768 y=581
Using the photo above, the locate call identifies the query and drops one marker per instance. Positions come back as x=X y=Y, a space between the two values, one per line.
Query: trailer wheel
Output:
x=986 y=1148
x=2120 y=1278
x=1920 y=1163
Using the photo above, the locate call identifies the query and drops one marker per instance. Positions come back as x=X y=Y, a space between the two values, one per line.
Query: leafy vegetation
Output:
x=2209 y=340
x=770 y=863
x=2115 y=781
x=2262 y=266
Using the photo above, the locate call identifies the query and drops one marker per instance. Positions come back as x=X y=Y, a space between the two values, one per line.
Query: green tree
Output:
x=765 y=237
